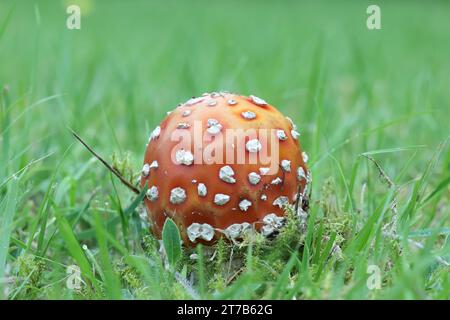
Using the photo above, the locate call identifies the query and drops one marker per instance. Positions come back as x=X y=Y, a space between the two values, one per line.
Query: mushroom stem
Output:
x=106 y=164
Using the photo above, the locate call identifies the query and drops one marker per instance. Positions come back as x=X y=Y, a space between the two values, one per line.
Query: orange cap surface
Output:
x=193 y=180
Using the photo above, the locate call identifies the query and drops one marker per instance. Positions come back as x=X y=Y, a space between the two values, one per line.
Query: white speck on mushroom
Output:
x=274 y=220
x=281 y=135
x=248 y=115
x=276 y=181
x=232 y=102
x=152 y=194
x=286 y=165
x=220 y=199
x=295 y=134
x=186 y=113
x=272 y=223
x=201 y=189
x=233 y=231
x=309 y=176
x=143 y=214
x=145 y=170
x=281 y=201
x=154 y=165
x=258 y=101
x=155 y=134
x=194 y=181
x=300 y=174
x=263 y=197
x=184 y=157
x=212 y=103
x=211 y=122
x=203 y=231
x=193 y=101
x=253 y=145
x=254 y=178
x=244 y=204
x=214 y=127
x=264 y=170
x=305 y=157
x=177 y=195
x=304 y=192
x=294 y=127
x=237 y=230
x=169 y=112
x=226 y=174
x=267 y=230
x=183 y=125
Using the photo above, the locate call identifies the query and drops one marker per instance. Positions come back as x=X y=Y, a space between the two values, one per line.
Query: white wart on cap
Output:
x=226 y=174
x=253 y=145
x=220 y=199
x=177 y=195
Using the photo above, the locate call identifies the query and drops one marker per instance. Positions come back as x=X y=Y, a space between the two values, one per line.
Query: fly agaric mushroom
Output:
x=209 y=199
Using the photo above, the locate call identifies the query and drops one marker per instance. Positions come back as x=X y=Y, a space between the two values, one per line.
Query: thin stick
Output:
x=106 y=164
x=380 y=170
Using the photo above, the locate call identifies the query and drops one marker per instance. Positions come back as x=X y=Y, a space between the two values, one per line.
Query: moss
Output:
x=150 y=245
x=178 y=292
x=264 y=258
x=29 y=272
x=122 y=163
x=218 y=281
x=131 y=280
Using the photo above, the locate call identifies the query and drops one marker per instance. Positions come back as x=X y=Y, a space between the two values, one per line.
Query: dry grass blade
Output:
x=106 y=164
x=380 y=170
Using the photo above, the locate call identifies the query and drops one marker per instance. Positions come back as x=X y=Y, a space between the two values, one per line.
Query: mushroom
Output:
x=210 y=197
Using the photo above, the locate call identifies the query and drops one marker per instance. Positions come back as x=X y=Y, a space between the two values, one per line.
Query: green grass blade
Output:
x=74 y=248
x=283 y=280
x=172 y=241
x=111 y=280
x=7 y=211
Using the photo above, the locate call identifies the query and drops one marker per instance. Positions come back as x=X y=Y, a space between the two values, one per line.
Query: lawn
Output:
x=372 y=107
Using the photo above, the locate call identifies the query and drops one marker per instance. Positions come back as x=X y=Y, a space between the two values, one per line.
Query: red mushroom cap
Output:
x=212 y=185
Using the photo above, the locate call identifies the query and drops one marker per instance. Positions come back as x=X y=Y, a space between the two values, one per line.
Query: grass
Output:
x=372 y=107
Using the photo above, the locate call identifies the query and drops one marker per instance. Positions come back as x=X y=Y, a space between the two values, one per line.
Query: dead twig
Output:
x=106 y=164
x=380 y=170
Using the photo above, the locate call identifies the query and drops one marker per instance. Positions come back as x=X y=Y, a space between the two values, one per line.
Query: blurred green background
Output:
x=131 y=62
x=350 y=90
